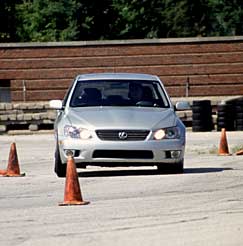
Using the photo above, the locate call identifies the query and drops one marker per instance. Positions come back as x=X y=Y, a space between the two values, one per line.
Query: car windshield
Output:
x=141 y=93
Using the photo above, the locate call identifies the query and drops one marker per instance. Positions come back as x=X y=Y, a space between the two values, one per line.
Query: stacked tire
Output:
x=226 y=116
x=239 y=115
x=202 y=120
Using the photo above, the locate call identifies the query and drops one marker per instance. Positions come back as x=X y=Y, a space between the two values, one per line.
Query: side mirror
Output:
x=56 y=104
x=182 y=106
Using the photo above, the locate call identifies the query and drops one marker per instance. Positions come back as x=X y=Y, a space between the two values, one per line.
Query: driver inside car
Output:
x=135 y=93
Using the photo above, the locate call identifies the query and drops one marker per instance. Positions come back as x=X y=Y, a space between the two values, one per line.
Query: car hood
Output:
x=121 y=118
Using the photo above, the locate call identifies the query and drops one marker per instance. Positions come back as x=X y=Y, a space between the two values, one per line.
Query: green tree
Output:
x=162 y=18
x=181 y=18
x=96 y=20
x=45 y=20
x=52 y=20
x=7 y=20
x=139 y=19
x=226 y=17
x=196 y=20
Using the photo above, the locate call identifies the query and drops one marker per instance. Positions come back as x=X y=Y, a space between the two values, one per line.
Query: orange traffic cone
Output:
x=223 y=145
x=72 y=194
x=3 y=172
x=13 y=169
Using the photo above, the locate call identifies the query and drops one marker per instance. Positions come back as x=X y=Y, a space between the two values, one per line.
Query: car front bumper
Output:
x=122 y=153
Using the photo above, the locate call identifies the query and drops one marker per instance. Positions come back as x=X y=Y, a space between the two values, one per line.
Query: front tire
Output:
x=59 y=168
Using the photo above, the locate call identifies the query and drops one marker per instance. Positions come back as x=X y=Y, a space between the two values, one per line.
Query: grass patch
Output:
x=214 y=150
x=236 y=148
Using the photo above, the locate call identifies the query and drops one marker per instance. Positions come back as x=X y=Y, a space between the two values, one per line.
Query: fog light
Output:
x=69 y=152
x=175 y=154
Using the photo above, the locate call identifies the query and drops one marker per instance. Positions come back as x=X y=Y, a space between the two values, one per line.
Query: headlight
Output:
x=167 y=133
x=74 y=132
x=160 y=134
x=85 y=134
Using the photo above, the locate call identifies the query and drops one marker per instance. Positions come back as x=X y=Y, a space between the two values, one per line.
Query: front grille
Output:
x=122 y=135
x=123 y=154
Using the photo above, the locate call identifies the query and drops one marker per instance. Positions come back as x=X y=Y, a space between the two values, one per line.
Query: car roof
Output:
x=135 y=76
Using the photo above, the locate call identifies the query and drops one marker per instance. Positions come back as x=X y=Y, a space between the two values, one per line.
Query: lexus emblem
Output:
x=122 y=135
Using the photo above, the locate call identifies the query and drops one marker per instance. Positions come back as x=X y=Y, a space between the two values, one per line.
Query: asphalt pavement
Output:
x=128 y=206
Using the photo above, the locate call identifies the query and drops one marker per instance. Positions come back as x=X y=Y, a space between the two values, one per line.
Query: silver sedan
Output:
x=118 y=119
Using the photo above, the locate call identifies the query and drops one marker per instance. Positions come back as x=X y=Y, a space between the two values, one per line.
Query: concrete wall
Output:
x=28 y=115
x=43 y=71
